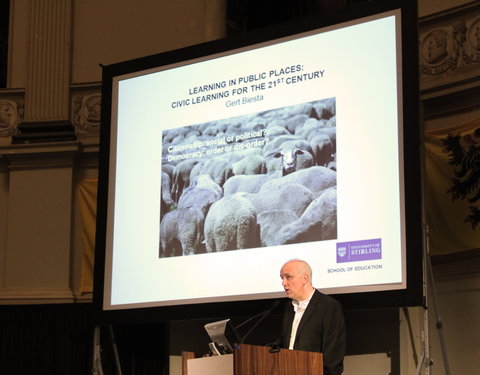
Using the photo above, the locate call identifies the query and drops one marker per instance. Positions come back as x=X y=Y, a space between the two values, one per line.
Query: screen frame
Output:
x=411 y=296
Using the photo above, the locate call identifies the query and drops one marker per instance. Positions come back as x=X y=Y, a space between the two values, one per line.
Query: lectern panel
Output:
x=260 y=360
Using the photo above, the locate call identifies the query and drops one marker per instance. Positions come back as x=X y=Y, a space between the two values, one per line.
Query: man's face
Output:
x=293 y=281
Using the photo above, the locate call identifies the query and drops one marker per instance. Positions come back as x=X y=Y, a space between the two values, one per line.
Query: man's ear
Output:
x=305 y=279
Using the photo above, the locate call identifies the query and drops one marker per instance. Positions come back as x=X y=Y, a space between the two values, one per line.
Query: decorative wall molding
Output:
x=8 y=297
x=86 y=109
x=449 y=56
x=12 y=106
x=10 y=116
x=40 y=156
x=449 y=50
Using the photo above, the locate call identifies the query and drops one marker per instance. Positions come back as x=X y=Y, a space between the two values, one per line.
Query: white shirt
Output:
x=299 y=307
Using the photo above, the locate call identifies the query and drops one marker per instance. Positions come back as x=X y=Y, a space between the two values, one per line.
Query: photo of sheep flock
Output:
x=256 y=180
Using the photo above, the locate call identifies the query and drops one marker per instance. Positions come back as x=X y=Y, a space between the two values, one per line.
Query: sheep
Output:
x=181 y=177
x=168 y=169
x=237 y=155
x=196 y=170
x=301 y=119
x=211 y=130
x=322 y=147
x=318 y=222
x=332 y=133
x=205 y=181
x=201 y=193
x=310 y=125
x=231 y=224
x=250 y=164
x=218 y=168
x=273 y=145
x=333 y=163
x=247 y=183
x=166 y=200
x=277 y=122
x=301 y=109
x=294 y=121
x=291 y=156
x=325 y=108
x=181 y=232
x=169 y=135
x=316 y=179
x=289 y=159
x=271 y=223
x=294 y=197
x=255 y=123
x=275 y=131
x=332 y=121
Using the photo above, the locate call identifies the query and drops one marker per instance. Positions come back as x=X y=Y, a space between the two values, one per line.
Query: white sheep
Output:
x=166 y=200
x=318 y=222
x=231 y=224
x=271 y=223
x=181 y=177
x=316 y=179
x=181 y=232
x=294 y=197
x=290 y=156
x=201 y=193
x=250 y=164
x=247 y=183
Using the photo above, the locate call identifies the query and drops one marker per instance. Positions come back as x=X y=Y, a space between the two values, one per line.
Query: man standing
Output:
x=313 y=321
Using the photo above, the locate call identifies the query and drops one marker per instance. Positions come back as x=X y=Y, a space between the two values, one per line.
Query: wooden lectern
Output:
x=255 y=360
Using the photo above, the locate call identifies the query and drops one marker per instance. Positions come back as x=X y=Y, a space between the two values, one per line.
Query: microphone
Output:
x=262 y=315
x=250 y=319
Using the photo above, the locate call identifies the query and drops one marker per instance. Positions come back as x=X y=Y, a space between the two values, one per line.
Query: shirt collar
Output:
x=300 y=306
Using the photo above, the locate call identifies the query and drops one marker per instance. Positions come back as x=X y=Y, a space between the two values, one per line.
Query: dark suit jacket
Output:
x=322 y=329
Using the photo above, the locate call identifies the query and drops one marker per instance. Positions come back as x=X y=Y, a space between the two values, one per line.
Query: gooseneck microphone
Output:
x=262 y=315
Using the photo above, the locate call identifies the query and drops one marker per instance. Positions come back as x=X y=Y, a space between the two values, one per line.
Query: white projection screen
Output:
x=220 y=162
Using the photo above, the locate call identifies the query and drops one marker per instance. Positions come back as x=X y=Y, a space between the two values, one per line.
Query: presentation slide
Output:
x=225 y=167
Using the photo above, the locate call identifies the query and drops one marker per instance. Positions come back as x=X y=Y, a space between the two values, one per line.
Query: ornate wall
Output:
x=50 y=121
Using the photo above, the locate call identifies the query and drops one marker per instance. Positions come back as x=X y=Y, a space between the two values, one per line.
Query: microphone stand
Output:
x=262 y=316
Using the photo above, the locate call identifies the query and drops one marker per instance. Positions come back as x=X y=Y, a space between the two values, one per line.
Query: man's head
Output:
x=296 y=278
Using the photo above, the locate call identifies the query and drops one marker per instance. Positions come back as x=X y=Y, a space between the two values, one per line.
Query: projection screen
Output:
x=221 y=162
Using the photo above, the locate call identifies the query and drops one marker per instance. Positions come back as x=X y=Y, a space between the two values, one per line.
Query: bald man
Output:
x=313 y=321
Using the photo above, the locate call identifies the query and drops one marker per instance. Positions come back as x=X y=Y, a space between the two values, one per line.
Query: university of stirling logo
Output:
x=464 y=156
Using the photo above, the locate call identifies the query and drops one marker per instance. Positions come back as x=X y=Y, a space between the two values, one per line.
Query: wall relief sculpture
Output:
x=11 y=114
x=449 y=52
x=86 y=113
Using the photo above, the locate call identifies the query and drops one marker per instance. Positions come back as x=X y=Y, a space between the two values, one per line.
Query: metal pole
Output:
x=438 y=319
x=428 y=279
x=97 y=349
x=115 y=351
